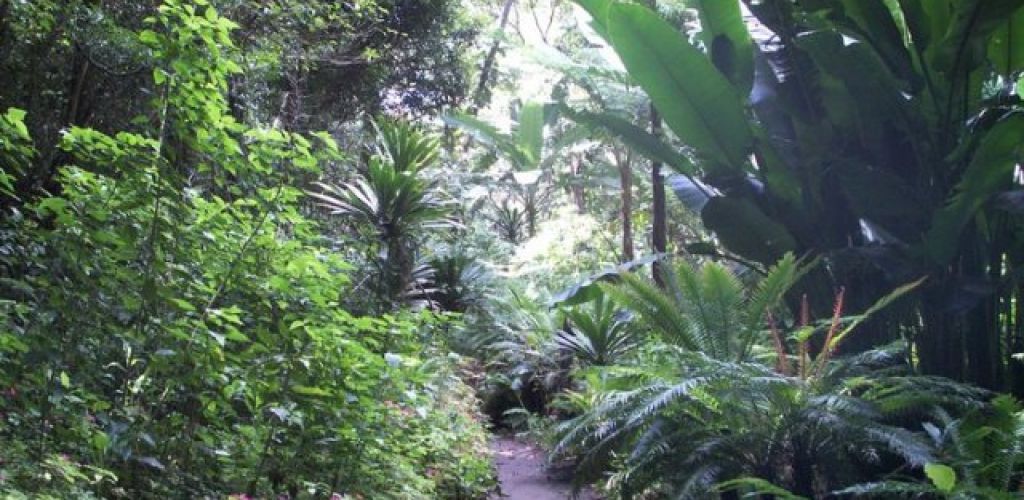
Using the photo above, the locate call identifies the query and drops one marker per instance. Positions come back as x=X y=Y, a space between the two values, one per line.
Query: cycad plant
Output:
x=459 y=283
x=525 y=366
x=980 y=455
x=708 y=403
x=393 y=200
x=708 y=309
x=597 y=333
x=509 y=220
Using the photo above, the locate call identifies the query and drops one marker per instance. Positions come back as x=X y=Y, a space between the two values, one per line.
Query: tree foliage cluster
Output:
x=881 y=140
x=176 y=326
x=231 y=264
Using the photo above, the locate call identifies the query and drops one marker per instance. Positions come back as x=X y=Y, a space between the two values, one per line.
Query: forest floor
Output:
x=523 y=475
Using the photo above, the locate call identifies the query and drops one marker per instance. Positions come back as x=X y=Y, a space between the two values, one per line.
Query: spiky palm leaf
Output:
x=983 y=453
x=394 y=202
x=510 y=221
x=392 y=199
x=598 y=334
x=459 y=283
x=709 y=310
x=406 y=148
x=683 y=428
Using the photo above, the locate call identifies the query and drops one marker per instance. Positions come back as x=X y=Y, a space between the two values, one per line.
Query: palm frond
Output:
x=887 y=489
x=407 y=148
x=659 y=312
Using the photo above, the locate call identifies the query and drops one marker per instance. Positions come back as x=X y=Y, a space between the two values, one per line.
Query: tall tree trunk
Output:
x=488 y=64
x=659 y=238
x=940 y=346
x=625 y=164
x=579 y=195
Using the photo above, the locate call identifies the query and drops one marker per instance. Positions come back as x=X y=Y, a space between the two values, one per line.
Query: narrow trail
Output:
x=523 y=476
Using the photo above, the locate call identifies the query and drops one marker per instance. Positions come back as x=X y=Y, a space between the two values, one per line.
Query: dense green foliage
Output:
x=176 y=326
x=881 y=136
x=318 y=249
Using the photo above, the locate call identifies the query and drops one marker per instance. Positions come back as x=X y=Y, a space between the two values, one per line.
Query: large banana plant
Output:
x=882 y=135
x=394 y=200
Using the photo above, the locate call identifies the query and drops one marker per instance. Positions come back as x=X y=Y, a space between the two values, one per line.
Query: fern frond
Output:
x=658 y=311
x=887 y=489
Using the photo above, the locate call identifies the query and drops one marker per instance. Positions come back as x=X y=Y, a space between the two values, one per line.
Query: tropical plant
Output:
x=525 y=367
x=510 y=221
x=916 y=97
x=524 y=151
x=459 y=283
x=708 y=309
x=395 y=201
x=706 y=405
x=979 y=455
x=173 y=325
x=683 y=422
x=597 y=333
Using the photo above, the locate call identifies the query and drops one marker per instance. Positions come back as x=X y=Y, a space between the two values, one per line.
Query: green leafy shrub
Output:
x=705 y=408
x=173 y=323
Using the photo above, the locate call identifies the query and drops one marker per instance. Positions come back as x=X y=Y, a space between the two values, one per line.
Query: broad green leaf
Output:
x=16 y=117
x=184 y=305
x=15 y=114
x=970 y=24
x=598 y=10
x=635 y=138
x=149 y=37
x=1006 y=47
x=727 y=41
x=942 y=476
x=479 y=129
x=310 y=391
x=695 y=100
x=745 y=230
x=882 y=26
x=589 y=288
x=490 y=136
x=990 y=172
x=530 y=132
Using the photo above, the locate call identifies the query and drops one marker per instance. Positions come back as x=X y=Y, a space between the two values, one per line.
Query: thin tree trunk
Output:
x=579 y=195
x=659 y=238
x=81 y=71
x=492 y=56
x=626 y=181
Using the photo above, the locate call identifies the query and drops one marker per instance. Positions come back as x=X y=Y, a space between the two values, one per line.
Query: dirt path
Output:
x=523 y=476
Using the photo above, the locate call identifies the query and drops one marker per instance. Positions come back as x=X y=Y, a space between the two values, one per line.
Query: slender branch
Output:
x=241 y=253
x=489 y=60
